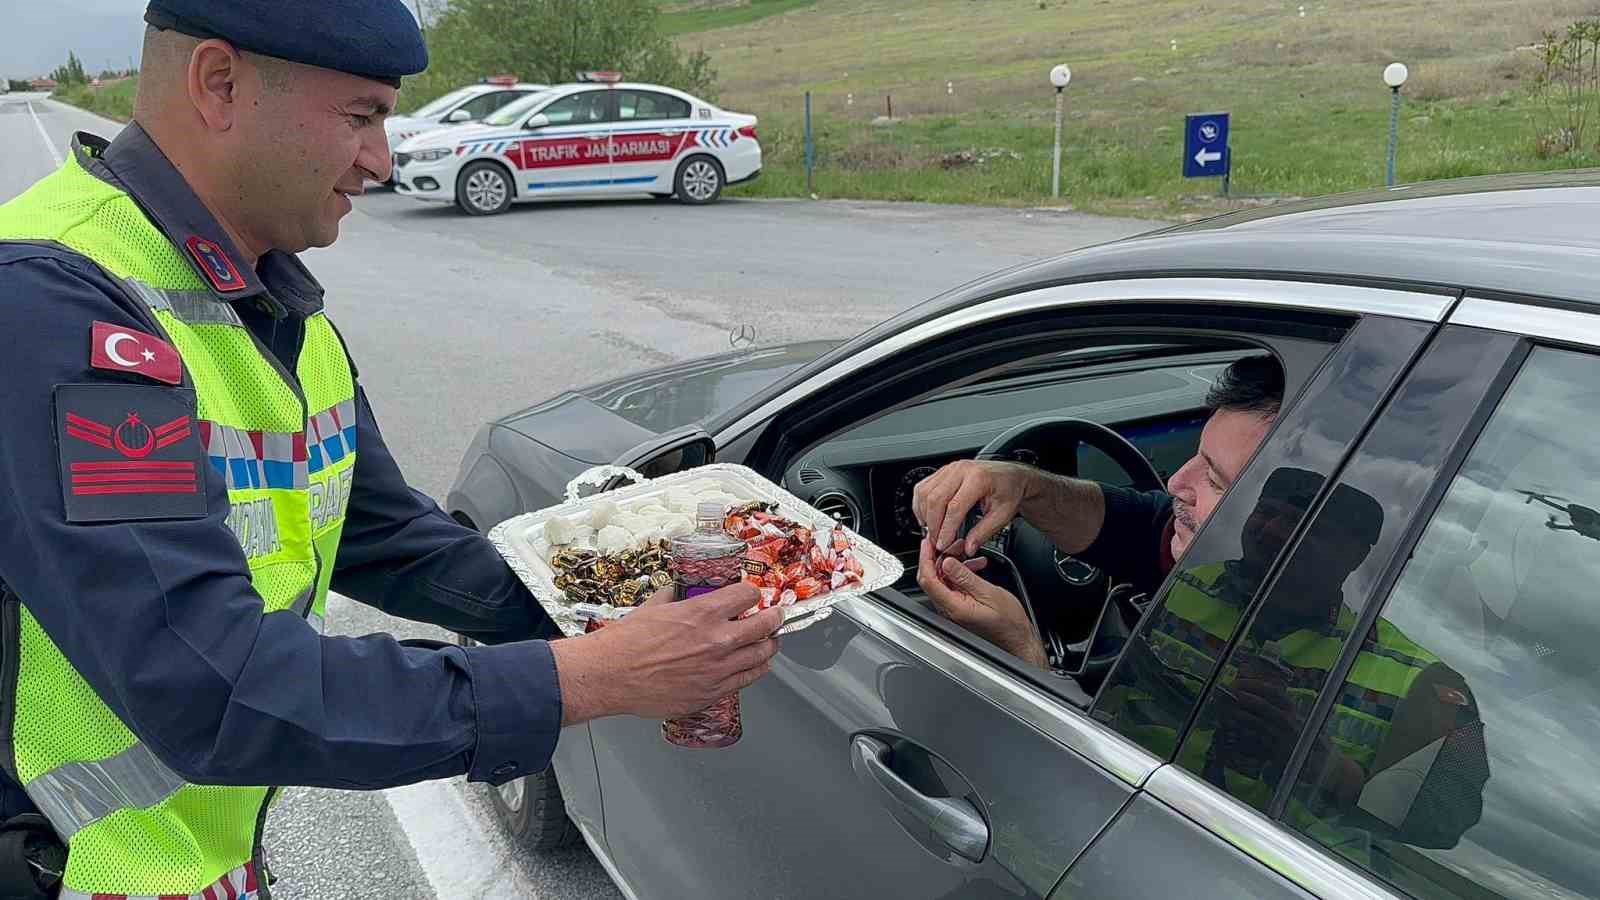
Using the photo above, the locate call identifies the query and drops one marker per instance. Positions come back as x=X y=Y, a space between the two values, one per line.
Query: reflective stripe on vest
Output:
x=239 y=884
x=81 y=793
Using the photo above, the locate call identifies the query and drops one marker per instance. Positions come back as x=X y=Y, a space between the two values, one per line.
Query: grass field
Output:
x=1309 y=109
x=114 y=101
x=684 y=18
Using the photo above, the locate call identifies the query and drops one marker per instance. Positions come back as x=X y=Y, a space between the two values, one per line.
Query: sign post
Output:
x=1060 y=77
x=811 y=153
x=1205 y=148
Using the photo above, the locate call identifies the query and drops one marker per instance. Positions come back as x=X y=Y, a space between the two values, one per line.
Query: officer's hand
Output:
x=942 y=501
x=978 y=606
x=667 y=659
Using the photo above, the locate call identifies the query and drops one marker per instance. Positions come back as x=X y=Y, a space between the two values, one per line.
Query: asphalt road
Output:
x=455 y=320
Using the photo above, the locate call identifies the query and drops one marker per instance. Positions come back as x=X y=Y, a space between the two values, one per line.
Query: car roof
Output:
x=1529 y=235
x=627 y=85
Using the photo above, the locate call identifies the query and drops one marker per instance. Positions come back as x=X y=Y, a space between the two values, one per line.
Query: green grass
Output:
x=687 y=18
x=1310 y=113
x=114 y=101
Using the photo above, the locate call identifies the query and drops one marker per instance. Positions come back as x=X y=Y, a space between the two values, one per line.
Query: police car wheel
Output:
x=531 y=808
x=483 y=189
x=699 y=180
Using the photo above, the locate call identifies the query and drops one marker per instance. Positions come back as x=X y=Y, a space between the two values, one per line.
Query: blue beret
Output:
x=375 y=39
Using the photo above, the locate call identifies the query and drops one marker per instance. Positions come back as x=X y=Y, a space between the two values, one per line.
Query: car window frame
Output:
x=641 y=92
x=753 y=439
x=610 y=112
x=1533 y=324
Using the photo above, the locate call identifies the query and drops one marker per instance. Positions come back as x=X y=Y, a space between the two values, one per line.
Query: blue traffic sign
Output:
x=1205 y=146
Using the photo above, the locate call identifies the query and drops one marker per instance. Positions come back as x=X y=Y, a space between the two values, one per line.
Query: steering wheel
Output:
x=1039 y=570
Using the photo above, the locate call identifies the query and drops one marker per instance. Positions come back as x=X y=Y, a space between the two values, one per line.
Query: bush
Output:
x=551 y=41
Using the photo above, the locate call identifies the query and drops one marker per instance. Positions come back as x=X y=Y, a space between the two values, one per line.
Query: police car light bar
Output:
x=600 y=77
x=500 y=79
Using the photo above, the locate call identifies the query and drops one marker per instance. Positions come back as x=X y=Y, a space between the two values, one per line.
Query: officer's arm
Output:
x=161 y=620
x=404 y=555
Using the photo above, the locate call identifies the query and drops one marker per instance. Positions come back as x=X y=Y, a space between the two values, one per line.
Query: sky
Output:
x=35 y=35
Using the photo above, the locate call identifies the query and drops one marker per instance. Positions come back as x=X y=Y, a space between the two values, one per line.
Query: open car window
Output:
x=1135 y=380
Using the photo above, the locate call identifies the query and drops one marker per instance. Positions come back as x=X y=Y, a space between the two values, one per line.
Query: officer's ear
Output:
x=214 y=70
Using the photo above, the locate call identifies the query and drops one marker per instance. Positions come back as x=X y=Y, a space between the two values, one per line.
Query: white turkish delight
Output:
x=559 y=531
x=601 y=514
x=612 y=539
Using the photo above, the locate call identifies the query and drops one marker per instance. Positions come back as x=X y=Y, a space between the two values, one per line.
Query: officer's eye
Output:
x=360 y=121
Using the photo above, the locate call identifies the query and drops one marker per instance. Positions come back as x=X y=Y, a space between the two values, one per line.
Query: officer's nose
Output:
x=374 y=156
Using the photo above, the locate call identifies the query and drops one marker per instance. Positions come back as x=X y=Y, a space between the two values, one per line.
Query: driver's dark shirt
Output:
x=1135 y=543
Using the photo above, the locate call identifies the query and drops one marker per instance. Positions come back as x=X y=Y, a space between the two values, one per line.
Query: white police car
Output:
x=467 y=104
x=595 y=137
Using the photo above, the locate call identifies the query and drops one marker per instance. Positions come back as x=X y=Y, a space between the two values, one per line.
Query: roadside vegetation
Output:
x=947 y=100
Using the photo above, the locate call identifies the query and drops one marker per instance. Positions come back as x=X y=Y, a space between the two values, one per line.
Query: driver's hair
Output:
x=1253 y=384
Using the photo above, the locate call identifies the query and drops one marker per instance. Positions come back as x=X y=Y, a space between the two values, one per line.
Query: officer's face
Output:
x=310 y=137
x=1229 y=440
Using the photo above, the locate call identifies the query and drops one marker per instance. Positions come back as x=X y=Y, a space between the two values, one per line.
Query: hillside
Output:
x=1309 y=109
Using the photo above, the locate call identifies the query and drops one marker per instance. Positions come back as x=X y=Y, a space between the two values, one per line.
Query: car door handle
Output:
x=597 y=136
x=955 y=822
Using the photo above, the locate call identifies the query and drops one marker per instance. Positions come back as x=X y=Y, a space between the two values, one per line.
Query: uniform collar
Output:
x=134 y=163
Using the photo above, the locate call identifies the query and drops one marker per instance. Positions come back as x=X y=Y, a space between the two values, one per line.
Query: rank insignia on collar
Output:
x=215 y=264
x=129 y=452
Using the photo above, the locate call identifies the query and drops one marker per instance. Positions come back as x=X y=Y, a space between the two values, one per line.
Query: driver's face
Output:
x=1228 y=441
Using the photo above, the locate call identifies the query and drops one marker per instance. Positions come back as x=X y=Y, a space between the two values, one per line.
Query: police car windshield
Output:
x=513 y=112
x=443 y=104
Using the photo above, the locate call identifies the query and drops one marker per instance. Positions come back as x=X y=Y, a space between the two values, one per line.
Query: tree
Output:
x=17 y=84
x=551 y=41
x=70 y=73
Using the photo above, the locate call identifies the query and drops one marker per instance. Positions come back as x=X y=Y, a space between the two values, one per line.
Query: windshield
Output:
x=437 y=107
x=512 y=113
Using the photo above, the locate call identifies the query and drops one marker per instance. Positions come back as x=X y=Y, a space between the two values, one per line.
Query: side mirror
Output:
x=459 y=115
x=537 y=120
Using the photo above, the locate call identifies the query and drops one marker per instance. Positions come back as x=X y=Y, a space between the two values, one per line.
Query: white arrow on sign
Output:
x=1205 y=157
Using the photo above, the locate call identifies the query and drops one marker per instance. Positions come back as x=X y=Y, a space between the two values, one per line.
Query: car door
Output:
x=646 y=139
x=1483 y=783
x=570 y=153
x=890 y=753
x=1227 y=782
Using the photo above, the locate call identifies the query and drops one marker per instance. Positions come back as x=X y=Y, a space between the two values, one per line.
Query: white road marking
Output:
x=54 y=153
x=450 y=845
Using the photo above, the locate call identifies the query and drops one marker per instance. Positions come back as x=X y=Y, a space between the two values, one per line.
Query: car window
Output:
x=650 y=105
x=517 y=109
x=1478 y=777
x=483 y=104
x=578 y=109
x=443 y=104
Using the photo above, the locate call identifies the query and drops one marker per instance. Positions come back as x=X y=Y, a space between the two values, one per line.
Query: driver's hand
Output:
x=942 y=500
x=978 y=606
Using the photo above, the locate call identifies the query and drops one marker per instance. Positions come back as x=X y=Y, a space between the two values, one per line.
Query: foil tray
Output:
x=520 y=539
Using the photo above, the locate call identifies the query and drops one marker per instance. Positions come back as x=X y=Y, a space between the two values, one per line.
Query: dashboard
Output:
x=866 y=476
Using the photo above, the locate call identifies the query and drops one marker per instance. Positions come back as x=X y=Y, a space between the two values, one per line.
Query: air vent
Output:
x=810 y=476
x=840 y=507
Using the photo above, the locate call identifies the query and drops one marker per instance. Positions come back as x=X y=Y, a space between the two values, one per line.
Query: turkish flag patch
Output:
x=215 y=264
x=129 y=452
x=118 y=349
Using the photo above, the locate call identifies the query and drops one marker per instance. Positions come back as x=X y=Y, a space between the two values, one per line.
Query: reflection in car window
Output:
x=443 y=104
x=578 y=109
x=650 y=105
x=1492 y=789
x=514 y=112
x=482 y=105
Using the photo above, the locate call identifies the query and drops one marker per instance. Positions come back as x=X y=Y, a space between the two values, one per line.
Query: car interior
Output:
x=1128 y=415
x=1122 y=405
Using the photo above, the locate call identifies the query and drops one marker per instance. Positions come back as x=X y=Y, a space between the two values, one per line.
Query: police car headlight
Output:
x=430 y=155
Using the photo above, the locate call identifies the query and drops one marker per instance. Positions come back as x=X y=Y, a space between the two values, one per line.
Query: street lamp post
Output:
x=1060 y=77
x=1394 y=76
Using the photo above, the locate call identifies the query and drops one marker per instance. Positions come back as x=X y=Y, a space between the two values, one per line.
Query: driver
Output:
x=1132 y=536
